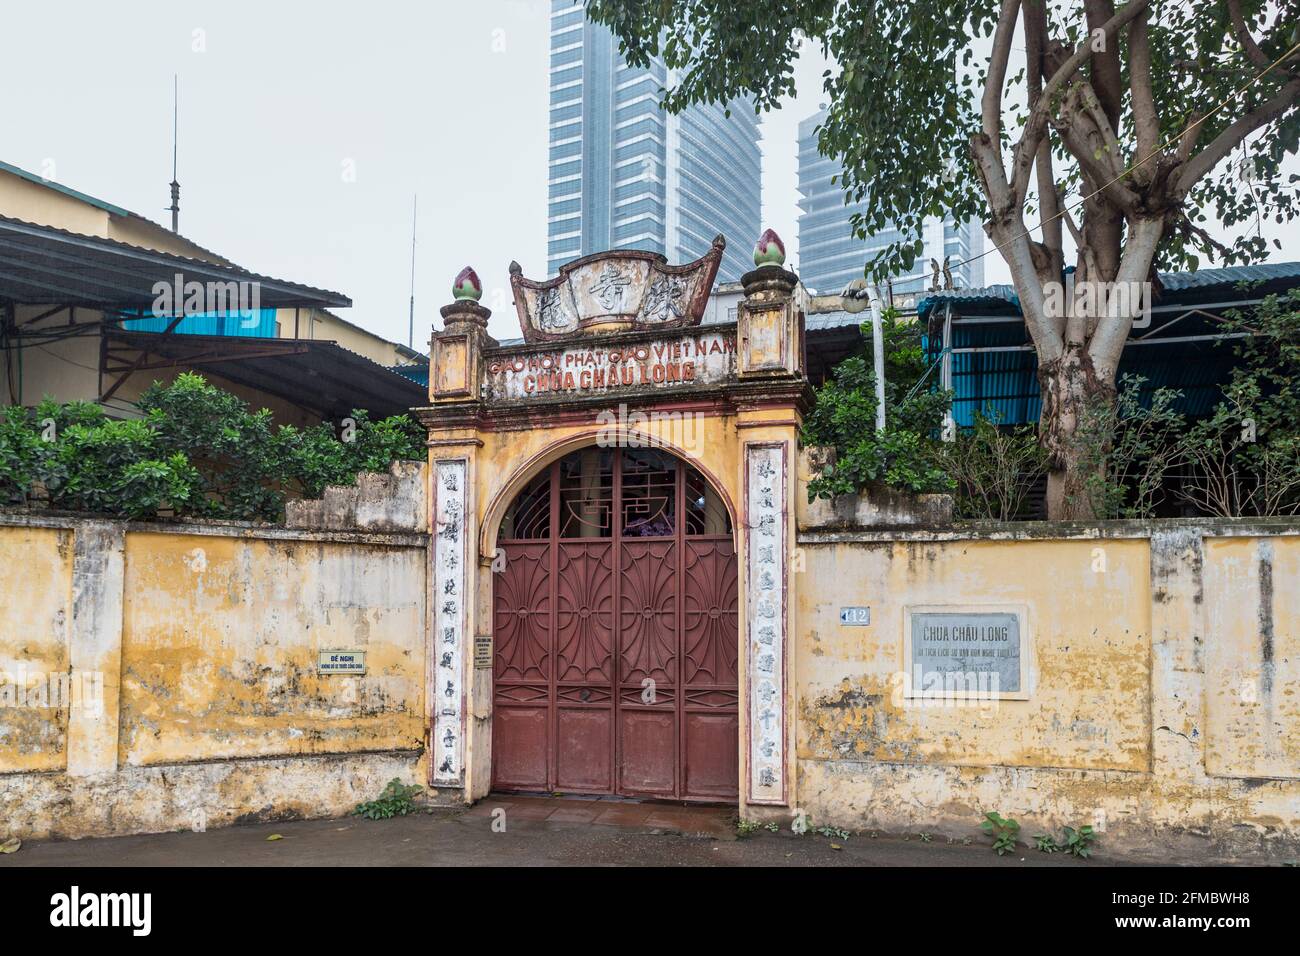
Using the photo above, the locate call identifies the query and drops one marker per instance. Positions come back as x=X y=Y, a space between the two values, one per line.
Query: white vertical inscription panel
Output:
x=765 y=506
x=449 y=621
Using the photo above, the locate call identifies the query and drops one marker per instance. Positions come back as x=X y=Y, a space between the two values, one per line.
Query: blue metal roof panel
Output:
x=1205 y=278
x=996 y=296
x=988 y=296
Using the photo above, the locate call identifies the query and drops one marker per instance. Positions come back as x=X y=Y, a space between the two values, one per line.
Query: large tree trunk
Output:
x=1076 y=97
x=1069 y=386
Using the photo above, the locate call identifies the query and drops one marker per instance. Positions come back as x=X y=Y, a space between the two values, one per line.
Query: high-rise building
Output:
x=625 y=174
x=830 y=256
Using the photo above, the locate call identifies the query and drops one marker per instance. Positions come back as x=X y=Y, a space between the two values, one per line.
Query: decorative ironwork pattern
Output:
x=586 y=481
x=584 y=626
x=765 y=547
x=647 y=613
x=710 y=615
x=522 y=619
x=705 y=511
x=449 y=596
x=648 y=503
x=529 y=515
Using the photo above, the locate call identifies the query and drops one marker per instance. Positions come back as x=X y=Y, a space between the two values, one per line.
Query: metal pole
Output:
x=175 y=184
x=878 y=348
x=410 y=326
x=945 y=374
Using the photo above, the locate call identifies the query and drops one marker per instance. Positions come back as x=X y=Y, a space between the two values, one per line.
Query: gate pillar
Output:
x=770 y=370
x=458 y=705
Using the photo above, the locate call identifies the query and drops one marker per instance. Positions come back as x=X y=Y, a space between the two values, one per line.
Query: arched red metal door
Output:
x=615 y=632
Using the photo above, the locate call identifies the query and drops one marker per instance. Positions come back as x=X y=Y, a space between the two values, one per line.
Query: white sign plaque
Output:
x=855 y=616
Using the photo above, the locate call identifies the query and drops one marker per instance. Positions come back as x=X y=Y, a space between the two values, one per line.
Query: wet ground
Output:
x=531 y=831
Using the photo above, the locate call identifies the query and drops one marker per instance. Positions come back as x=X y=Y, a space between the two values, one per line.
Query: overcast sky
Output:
x=306 y=128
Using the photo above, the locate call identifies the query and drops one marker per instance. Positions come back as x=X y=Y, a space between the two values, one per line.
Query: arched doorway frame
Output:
x=504 y=495
x=575 y=441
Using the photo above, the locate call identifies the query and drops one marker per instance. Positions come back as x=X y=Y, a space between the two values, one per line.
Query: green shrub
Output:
x=396 y=800
x=1245 y=458
x=904 y=455
x=1130 y=449
x=1004 y=831
x=198 y=451
x=19 y=455
x=117 y=468
x=994 y=469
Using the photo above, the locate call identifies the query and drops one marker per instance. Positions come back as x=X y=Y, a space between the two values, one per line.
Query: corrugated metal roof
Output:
x=991 y=295
x=418 y=373
x=45 y=265
x=1176 y=287
x=1209 y=278
x=316 y=373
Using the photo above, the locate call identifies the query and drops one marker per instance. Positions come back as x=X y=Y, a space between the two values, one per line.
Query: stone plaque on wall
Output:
x=963 y=652
x=696 y=358
x=449 y=619
x=765 y=569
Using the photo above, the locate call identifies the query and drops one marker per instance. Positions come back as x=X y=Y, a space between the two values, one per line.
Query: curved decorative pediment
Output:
x=617 y=291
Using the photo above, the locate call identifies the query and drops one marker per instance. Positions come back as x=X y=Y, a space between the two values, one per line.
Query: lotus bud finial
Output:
x=770 y=250
x=467 y=286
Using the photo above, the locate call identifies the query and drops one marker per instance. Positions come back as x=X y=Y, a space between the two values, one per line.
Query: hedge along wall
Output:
x=1162 y=667
x=160 y=677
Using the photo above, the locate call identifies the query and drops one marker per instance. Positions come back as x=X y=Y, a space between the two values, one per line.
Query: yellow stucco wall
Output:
x=1161 y=695
x=1252 y=652
x=320 y=324
x=1163 y=680
x=220 y=642
x=1088 y=672
x=199 y=644
x=38 y=203
x=33 y=202
x=35 y=607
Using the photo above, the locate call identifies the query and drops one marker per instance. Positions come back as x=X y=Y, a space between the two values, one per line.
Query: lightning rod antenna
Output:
x=175 y=207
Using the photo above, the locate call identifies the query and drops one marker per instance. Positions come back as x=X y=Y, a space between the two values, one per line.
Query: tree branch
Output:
x=1135 y=266
x=991 y=102
x=1104 y=70
x=1038 y=117
x=1230 y=138
x=1102 y=166
x=1242 y=32
x=1049 y=200
x=1146 y=122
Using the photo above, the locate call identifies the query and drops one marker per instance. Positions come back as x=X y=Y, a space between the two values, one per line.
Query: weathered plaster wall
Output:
x=1162 y=697
x=1252 y=649
x=221 y=638
x=35 y=617
x=1090 y=630
x=395 y=500
x=203 y=640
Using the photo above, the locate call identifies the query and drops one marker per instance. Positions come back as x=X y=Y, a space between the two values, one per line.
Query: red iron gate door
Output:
x=616 y=633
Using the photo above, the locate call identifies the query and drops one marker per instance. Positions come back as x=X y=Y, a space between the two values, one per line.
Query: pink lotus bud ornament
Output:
x=467 y=286
x=770 y=250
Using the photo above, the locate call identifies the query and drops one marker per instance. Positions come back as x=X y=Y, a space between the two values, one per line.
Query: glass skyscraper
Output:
x=829 y=254
x=625 y=174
